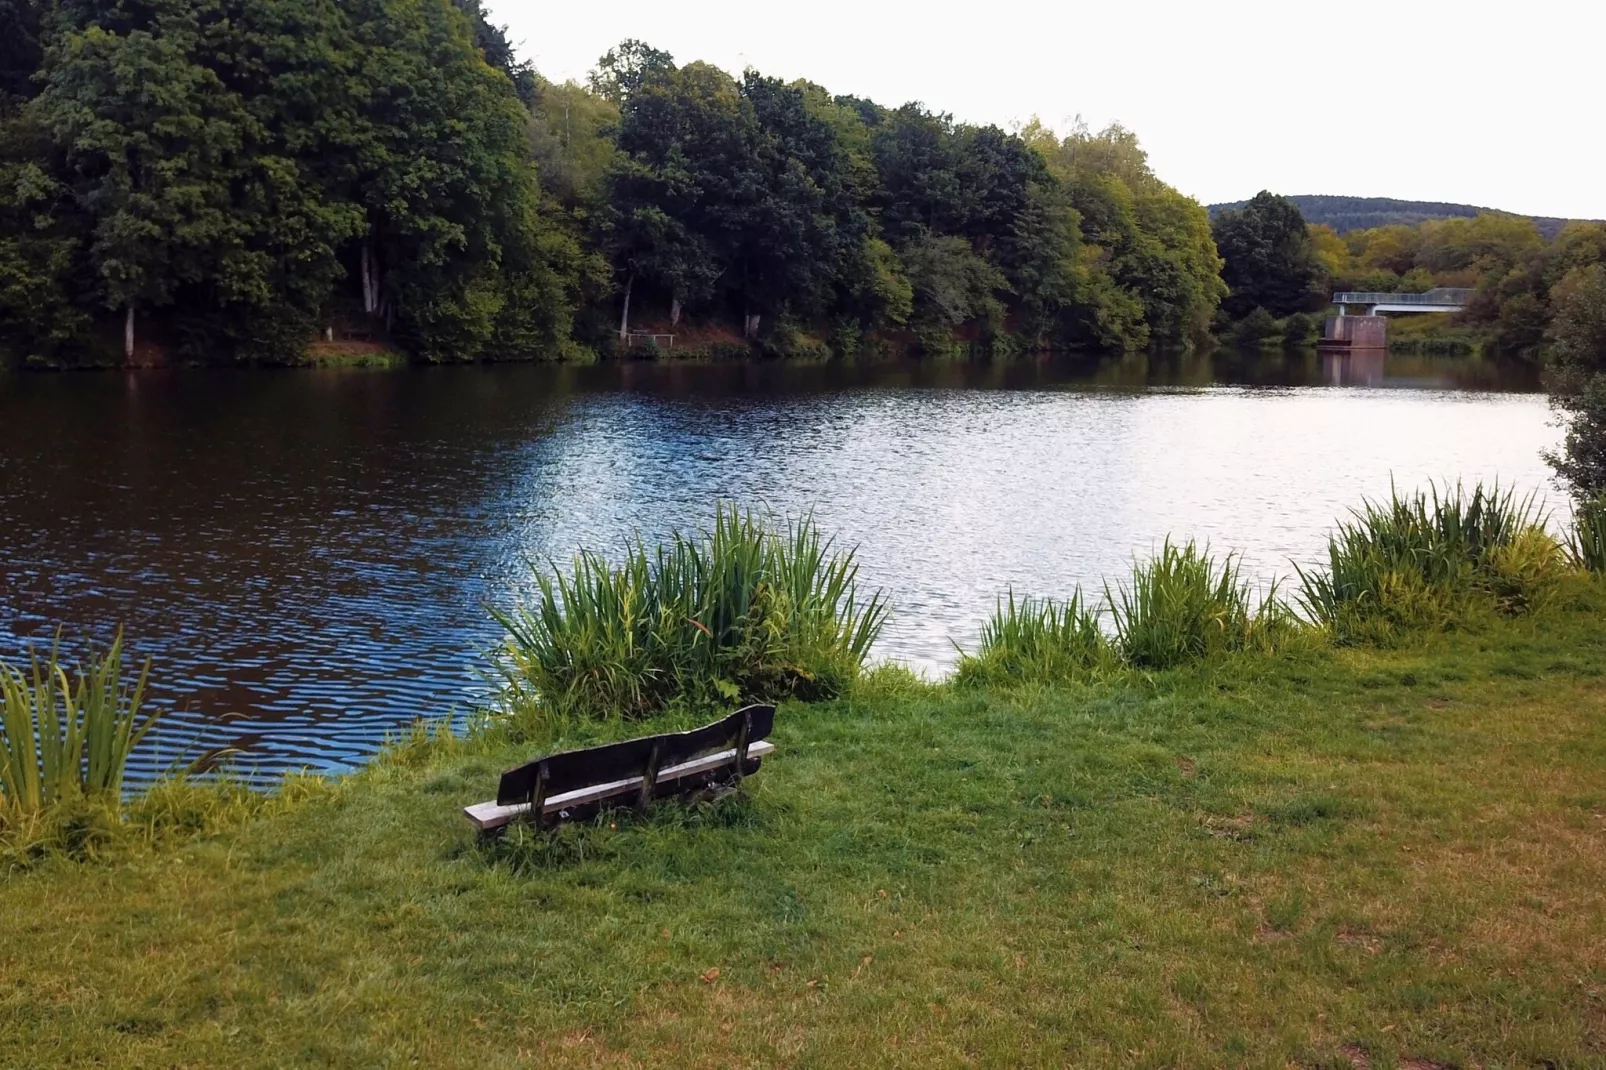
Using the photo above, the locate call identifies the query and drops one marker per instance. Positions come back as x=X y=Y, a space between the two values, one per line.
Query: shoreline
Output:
x=1260 y=856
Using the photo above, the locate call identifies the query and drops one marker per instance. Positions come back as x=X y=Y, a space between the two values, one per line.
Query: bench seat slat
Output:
x=491 y=815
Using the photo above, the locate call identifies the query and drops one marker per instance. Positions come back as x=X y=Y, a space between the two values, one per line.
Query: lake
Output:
x=307 y=555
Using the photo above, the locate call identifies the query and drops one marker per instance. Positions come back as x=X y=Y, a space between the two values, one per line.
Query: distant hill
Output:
x=1344 y=214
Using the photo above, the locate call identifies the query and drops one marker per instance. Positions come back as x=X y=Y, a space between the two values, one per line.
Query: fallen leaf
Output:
x=711 y=976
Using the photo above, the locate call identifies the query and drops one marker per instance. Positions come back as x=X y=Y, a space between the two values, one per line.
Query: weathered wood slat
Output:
x=491 y=815
x=571 y=770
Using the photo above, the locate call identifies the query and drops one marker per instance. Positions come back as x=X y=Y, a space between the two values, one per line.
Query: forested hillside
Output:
x=219 y=181
x=1345 y=214
x=228 y=180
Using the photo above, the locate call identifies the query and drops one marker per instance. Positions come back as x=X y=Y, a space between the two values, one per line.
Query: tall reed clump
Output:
x=1587 y=540
x=1184 y=604
x=1036 y=640
x=739 y=612
x=1420 y=561
x=66 y=739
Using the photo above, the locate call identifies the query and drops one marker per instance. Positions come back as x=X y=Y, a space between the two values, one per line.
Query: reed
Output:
x=1417 y=561
x=1036 y=641
x=739 y=612
x=1184 y=604
x=1587 y=540
x=63 y=739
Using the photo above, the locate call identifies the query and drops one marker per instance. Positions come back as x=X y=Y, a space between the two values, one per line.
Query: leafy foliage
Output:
x=232 y=178
x=1268 y=260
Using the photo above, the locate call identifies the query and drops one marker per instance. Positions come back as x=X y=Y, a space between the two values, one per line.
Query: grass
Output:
x=1183 y=605
x=1036 y=640
x=1320 y=857
x=1202 y=836
x=743 y=611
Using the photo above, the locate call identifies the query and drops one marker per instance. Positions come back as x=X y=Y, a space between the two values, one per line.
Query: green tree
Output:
x=21 y=48
x=1267 y=258
x=1578 y=381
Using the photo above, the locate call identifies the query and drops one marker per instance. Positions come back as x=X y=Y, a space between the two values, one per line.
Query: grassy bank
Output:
x=1321 y=857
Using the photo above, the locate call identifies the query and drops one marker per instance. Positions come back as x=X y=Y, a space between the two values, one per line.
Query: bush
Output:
x=1258 y=328
x=740 y=613
x=1038 y=641
x=1301 y=330
x=1415 y=562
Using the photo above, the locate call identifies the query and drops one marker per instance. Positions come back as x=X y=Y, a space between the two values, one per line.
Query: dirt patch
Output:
x=1359 y=938
x=1238 y=827
x=1357 y=1057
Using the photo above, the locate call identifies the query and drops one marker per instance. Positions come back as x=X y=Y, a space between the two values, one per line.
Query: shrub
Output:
x=1414 y=562
x=1036 y=641
x=1183 y=605
x=739 y=613
x=1258 y=328
x=63 y=740
x=1526 y=574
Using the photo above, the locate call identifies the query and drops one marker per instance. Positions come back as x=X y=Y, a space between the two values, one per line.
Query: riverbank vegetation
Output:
x=1277 y=266
x=1263 y=854
x=392 y=173
x=742 y=612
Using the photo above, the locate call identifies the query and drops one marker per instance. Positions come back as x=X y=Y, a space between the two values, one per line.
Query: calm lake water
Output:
x=308 y=555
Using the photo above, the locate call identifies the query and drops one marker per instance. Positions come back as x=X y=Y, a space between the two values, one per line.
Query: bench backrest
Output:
x=575 y=769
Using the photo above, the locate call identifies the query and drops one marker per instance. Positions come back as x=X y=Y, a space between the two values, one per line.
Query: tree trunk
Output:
x=750 y=331
x=674 y=312
x=624 y=317
x=128 y=334
x=367 y=280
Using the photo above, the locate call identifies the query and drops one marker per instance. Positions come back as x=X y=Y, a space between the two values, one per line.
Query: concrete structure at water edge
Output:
x=1355 y=332
x=1369 y=330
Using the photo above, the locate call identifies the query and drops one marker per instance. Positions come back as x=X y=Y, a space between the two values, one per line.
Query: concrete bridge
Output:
x=1441 y=299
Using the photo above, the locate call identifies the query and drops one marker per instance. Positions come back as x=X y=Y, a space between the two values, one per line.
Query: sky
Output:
x=1497 y=105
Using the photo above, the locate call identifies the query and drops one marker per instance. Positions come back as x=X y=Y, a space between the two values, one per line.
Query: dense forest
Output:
x=264 y=181
x=232 y=180
x=1345 y=214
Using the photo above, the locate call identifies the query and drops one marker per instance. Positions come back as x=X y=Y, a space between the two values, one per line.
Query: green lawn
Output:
x=1334 y=858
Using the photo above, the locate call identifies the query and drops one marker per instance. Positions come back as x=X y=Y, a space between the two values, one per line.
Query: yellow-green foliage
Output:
x=1527 y=573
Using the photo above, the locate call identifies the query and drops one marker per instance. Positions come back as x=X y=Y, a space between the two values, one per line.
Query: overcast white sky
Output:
x=1501 y=105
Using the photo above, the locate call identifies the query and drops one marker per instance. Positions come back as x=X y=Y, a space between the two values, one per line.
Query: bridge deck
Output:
x=1442 y=299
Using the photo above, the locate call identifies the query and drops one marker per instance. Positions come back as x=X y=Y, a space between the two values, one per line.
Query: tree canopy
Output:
x=232 y=180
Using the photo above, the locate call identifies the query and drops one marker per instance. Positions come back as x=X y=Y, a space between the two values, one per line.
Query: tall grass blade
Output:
x=63 y=738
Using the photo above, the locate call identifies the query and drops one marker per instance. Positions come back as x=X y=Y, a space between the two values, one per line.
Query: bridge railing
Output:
x=1443 y=295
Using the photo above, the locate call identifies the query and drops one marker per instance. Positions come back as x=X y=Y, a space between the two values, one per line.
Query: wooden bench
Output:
x=577 y=783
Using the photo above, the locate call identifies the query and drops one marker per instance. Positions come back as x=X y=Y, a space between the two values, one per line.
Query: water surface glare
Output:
x=308 y=555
